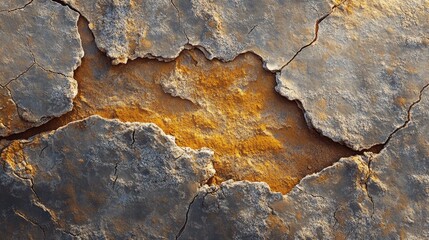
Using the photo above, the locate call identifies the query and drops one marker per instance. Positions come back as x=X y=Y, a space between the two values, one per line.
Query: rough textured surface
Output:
x=36 y=68
x=374 y=196
x=360 y=79
x=100 y=178
x=10 y=6
x=275 y=30
x=232 y=108
x=366 y=69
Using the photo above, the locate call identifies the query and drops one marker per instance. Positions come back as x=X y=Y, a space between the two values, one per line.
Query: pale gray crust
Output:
x=275 y=30
x=36 y=69
x=99 y=178
x=357 y=82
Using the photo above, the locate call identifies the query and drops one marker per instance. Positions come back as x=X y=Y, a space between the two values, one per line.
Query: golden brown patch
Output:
x=13 y=156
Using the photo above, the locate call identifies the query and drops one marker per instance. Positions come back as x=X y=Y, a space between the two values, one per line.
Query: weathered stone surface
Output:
x=10 y=6
x=366 y=69
x=364 y=82
x=231 y=108
x=36 y=68
x=99 y=178
x=275 y=30
x=374 y=196
x=234 y=210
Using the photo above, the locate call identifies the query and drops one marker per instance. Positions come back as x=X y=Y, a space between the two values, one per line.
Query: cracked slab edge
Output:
x=349 y=96
x=223 y=30
x=32 y=63
x=373 y=196
x=124 y=179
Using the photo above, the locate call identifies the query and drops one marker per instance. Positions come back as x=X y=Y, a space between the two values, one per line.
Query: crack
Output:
x=316 y=34
x=33 y=190
x=69 y=233
x=40 y=65
x=181 y=154
x=133 y=137
x=253 y=28
x=48 y=70
x=312 y=195
x=22 y=215
x=365 y=184
x=19 y=75
x=18 y=109
x=187 y=217
x=18 y=8
x=335 y=217
x=38 y=202
x=115 y=174
x=180 y=21
x=407 y=120
x=66 y=5
x=43 y=149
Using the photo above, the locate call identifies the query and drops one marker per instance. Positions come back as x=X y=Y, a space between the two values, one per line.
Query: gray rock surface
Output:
x=275 y=30
x=36 y=68
x=10 y=6
x=99 y=178
x=373 y=196
x=366 y=69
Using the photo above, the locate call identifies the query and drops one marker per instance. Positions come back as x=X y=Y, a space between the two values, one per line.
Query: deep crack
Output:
x=115 y=175
x=365 y=184
x=408 y=116
x=187 y=217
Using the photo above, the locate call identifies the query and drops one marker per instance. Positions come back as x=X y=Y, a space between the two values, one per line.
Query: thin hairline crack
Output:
x=18 y=8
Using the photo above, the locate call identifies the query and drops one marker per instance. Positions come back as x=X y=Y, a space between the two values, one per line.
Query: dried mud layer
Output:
x=229 y=119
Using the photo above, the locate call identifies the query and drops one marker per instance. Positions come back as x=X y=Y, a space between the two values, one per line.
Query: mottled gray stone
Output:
x=367 y=67
x=130 y=29
x=100 y=178
x=275 y=30
x=372 y=196
x=41 y=95
x=234 y=210
x=37 y=64
x=13 y=5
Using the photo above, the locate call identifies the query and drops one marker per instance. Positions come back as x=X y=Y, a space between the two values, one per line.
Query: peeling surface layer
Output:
x=275 y=30
x=118 y=178
x=37 y=63
x=364 y=72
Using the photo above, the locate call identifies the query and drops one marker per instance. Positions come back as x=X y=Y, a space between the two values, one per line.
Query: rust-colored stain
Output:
x=232 y=108
x=13 y=157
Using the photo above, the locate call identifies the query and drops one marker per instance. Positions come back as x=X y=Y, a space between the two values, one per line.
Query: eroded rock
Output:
x=36 y=68
x=372 y=196
x=10 y=6
x=231 y=108
x=100 y=178
x=364 y=72
x=275 y=30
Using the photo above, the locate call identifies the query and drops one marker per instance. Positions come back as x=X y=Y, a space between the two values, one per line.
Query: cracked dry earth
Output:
x=198 y=119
